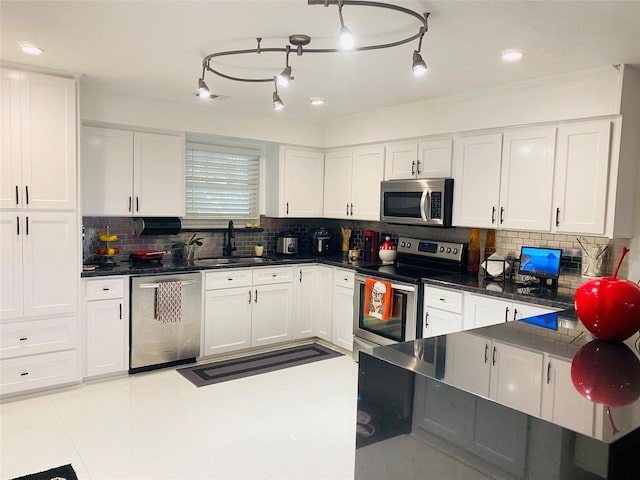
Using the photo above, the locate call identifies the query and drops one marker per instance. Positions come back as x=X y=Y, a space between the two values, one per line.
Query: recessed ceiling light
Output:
x=316 y=101
x=30 y=48
x=511 y=55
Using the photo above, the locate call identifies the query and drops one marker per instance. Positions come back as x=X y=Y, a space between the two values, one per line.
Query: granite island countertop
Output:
x=500 y=402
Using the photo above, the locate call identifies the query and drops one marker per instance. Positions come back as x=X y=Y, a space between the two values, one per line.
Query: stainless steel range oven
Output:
x=400 y=288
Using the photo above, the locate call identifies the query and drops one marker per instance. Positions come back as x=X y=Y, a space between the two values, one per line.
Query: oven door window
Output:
x=403 y=204
x=395 y=326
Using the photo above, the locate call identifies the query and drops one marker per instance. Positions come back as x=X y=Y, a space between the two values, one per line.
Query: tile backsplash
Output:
x=508 y=242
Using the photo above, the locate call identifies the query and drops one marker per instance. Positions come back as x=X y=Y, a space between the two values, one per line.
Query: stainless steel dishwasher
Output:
x=153 y=343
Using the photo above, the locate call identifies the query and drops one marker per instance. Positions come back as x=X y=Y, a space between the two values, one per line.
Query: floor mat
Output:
x=65 y=472
x=216 y=372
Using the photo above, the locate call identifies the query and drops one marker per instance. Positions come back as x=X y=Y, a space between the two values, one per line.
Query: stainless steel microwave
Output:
x=426 y=202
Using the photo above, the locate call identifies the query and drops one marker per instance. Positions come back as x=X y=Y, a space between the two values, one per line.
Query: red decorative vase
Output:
x=609 y=307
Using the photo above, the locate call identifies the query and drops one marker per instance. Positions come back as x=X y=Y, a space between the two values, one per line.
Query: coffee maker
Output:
x=371 y=246
x=321 y=242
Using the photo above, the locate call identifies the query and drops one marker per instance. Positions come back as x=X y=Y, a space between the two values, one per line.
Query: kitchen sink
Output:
x=229 y=260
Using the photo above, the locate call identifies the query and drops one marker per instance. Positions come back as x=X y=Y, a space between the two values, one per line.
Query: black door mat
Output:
x=217 y=372
x=65 y=472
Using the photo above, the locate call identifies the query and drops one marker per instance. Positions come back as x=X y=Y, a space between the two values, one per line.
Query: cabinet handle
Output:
x=130 y=199
x=300 y=276
x=24 y=339
x=249 y=296
x=275 y=275
x=347 y=210
x=230 y=279
x=105 y=289
x=345 y=279
x=441 y=299
x=137 y=204
x=26 y=229
x=17 y=195
x=419 y=172
x=486 y=352
x=24 y=374
x=515 y=314
x=17 y=225
x=413 y=167
x=287 y=208
x=493 y=215
x=352 y=209
x=26 y=189
x=426 y=319
x=255 y=300
x=493 y=357
x=557 y=217
x=548 y=373
x=501 y=215
x=506 y=314
x=120 y=305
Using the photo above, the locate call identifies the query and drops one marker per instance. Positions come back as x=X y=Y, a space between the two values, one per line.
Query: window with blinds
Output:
x=221 y=185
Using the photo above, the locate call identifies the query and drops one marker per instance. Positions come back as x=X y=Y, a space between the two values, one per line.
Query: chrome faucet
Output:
x=229 y=246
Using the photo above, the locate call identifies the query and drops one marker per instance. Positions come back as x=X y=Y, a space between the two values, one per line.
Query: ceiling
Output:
x=155 y=48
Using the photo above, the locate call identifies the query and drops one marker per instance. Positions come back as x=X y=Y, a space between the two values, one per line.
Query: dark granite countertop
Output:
x=183 y=266
x=425 y=411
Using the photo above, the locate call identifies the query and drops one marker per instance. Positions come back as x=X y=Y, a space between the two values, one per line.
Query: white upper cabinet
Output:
x=434 y=158
x=132 y=173
x=526 y=179
x=352 y=183
x=580 y=184
x=294 y=182
x=401 y=161
x=337 y=183
x=425 y=159
x=476 y=171
x=38 y=168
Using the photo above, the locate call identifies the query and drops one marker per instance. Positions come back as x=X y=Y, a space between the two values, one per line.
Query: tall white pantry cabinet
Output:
x=39 y=258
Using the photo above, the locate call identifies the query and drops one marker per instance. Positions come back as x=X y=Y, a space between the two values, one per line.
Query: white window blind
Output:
x=221 y=185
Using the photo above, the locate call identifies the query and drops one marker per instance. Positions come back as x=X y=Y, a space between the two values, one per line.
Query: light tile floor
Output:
x=297 y=423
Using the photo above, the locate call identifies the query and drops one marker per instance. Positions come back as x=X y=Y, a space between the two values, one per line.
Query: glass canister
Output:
x=473 y=254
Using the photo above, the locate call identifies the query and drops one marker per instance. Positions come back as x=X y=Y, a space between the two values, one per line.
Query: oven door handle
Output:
x=403 y=288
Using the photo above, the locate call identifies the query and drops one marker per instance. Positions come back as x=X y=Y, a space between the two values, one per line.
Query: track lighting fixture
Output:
x=419 y=67
x=346 y=38
x=278 y=104
x=299 y=43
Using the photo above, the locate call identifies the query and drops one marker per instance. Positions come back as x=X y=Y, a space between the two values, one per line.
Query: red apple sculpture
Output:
x=609 y=307
x=607 y=373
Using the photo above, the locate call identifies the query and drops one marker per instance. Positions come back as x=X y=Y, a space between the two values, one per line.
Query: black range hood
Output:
x=157 y=225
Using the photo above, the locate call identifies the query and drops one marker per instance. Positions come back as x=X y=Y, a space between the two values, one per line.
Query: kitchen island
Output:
x=499 y=402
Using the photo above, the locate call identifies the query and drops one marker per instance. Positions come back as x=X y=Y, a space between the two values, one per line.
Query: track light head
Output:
x=203 y=90
x=284 y=78
x=278 y=104
x=418 y=67
x=347 y=41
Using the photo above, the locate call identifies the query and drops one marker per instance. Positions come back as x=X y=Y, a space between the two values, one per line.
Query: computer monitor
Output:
x=541 y=263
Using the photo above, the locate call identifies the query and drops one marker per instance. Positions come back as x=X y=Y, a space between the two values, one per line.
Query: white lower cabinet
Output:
x=342 y=311
x=561 y=402
x=509 y=374
x=39 y=371
x=482 y=311
x=247 y=308
x=107 y=326
x=442 y=311
x=312 y=313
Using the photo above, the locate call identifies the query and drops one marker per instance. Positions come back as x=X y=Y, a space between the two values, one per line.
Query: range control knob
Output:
x=455 y=250
x=442 y=249
x=408 y=244
x=448 y=249
x=402 y=244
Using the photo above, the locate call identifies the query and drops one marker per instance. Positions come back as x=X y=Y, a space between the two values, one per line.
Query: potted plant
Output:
x=259 y=249
x=188 y=249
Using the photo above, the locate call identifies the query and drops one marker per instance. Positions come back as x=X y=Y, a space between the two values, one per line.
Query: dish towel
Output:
x=168 y=303
x=378 y=299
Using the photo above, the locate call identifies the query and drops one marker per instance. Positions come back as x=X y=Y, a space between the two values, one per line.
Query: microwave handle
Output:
x=425 y=201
